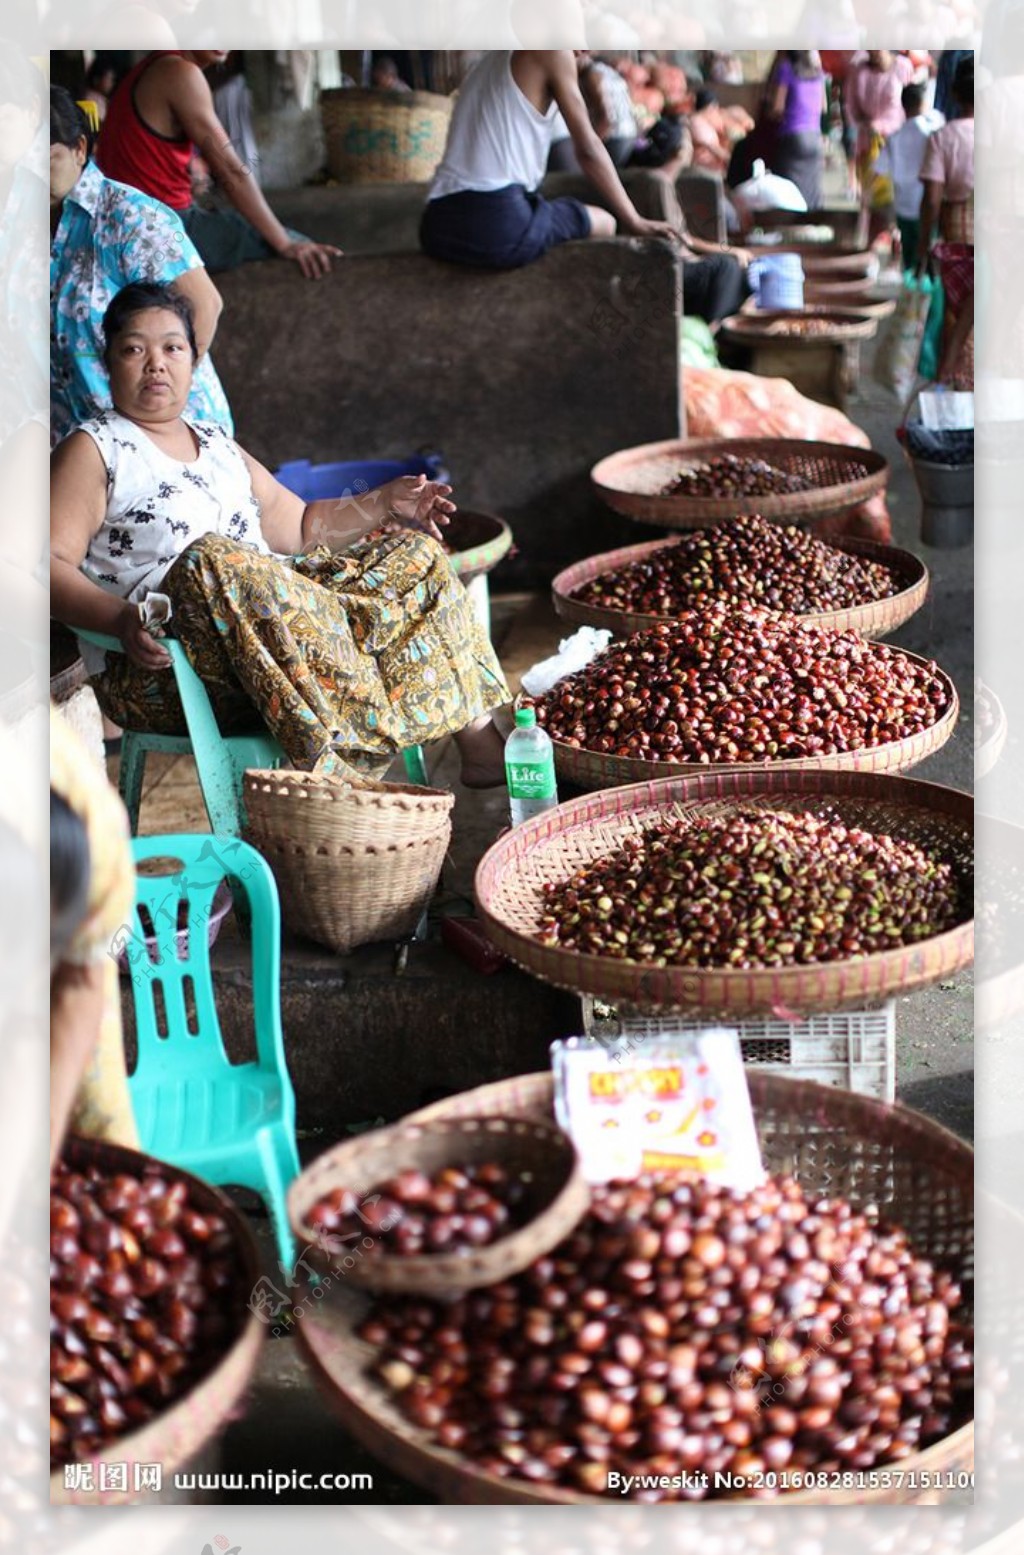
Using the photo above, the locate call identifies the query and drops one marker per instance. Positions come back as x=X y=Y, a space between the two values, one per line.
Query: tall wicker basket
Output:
x=384 y=137
x=353 y=863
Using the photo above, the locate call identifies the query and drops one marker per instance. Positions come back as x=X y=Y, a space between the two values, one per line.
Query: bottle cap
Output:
x=526 y=718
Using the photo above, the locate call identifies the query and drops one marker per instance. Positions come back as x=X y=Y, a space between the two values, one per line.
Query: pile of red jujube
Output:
x=144 y=1297
x=751 y=889
x=720 y=685
x=685 y=1329
x=747 y=561
x=456 y=1210
x=735 y=475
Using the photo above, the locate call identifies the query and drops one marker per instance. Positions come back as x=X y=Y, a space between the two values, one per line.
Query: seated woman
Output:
x=357 y=648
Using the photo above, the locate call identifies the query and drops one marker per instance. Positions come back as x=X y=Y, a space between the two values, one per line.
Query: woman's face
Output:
x=151 y=366
x=66 y=164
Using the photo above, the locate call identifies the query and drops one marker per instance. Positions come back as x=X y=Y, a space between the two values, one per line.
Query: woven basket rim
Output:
x=286 y=782
x=694 y=512
x=804 y=989
x=873 y=616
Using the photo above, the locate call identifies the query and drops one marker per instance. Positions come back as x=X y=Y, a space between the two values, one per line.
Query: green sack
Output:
x=931 y=345
x=696 y=344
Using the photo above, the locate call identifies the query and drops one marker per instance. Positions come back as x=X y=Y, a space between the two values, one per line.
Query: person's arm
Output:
x=594 y=161
x=207 y=304
x=78 y=499
x=191 y=102
x=592 y=91
x=290 y=525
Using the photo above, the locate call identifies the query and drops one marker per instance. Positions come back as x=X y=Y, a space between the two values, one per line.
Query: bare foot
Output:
x=482 y=750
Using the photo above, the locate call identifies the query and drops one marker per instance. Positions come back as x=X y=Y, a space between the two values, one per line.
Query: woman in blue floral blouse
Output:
x=105 y=235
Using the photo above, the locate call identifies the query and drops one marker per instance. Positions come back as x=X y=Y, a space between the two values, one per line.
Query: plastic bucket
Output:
x=314 y=481
x=947 y=502
x=778 y=281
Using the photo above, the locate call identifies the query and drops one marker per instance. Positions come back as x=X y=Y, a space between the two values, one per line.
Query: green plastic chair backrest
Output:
x=168 y=955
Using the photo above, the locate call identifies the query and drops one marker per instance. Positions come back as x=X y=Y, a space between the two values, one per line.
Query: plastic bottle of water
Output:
x=529 y=768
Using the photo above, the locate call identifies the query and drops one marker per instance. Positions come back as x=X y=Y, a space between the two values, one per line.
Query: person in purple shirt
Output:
x=796 y=102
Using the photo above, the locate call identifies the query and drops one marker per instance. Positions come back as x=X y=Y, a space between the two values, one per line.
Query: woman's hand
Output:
x=313 y=259
x=643 y=228
x=139 y=644
x=413 y=502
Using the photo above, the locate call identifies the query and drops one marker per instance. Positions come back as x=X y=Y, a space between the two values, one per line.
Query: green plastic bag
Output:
x=696 y=344
x=931 y=345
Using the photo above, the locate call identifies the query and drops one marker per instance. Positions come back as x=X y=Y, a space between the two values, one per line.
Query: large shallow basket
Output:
x=177 y=1435
x=354 y=863
x=595 y=769
x=510 y=877
x=631 y=480
x=767 y=326
x=832 y=1141
x=378 y=137
x=875 y=619
x=536 y=1152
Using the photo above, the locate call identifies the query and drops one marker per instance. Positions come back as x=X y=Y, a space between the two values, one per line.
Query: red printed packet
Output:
x=662 y=1103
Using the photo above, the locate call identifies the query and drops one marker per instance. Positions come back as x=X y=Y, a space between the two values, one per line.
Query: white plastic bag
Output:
x=769 y=192
x=946 y=410
x=574 y=653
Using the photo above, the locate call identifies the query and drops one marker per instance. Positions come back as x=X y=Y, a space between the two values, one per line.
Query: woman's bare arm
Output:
x=78 y=504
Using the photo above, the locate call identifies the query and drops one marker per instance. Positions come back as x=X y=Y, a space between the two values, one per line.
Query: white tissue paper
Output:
x=574 y=653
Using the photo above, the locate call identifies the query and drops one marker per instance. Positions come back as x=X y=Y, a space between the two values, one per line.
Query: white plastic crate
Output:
x=854 y=1049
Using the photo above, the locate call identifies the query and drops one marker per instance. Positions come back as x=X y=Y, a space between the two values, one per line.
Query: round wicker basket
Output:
x=632 y=480
x=535 y=1151
x=772 y=325
x=876 y=618
x=354 y=863
x=177 y=1435
x=510 y=877
x=834 y=1142
x=594 y=769
x=479 y=542
x=376 y=137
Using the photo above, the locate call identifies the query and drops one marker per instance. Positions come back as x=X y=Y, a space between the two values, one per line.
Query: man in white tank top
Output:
x=483 y=207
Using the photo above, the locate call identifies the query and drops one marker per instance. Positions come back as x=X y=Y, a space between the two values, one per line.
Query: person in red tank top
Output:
x=160 y=112
x=133 y=153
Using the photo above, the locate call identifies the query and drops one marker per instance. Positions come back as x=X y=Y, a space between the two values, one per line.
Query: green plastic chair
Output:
x=221 y=759
x=230 y=1123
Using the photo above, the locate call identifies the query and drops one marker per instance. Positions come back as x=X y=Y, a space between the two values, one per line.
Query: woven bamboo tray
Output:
x=833 y=1141
x=594 y=769
x=178 y=1434
x=631 y=480
x=989 y=751
x=479 y=542
x=876 y=618
x=548 y=848
x=535 y=1151
x=383 y=137
x=768 y=325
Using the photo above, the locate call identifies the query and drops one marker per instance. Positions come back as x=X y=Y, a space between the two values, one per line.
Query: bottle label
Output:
x=531 y=779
